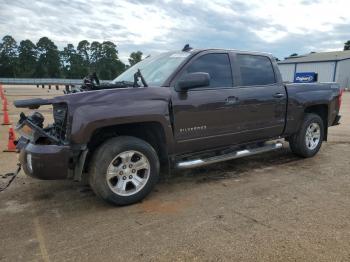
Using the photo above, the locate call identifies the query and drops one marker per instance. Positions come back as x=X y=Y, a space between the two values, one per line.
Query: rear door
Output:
x=262 y=99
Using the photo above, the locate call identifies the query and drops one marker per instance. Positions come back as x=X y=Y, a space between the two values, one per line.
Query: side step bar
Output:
x=237 y=154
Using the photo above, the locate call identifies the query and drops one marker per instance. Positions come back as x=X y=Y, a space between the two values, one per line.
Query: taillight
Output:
x=340 y=97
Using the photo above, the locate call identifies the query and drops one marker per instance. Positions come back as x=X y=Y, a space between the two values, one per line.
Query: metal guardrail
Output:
x=43 y=81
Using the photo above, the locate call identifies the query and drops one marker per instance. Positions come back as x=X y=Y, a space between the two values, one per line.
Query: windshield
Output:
x=155 y=69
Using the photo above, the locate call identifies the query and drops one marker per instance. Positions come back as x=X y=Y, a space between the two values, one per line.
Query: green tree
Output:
x=8 y=57
x=27 y=58
x=83 y=50
x=111 y=66
x=135 y=57
x=72 y=63
x=68 y=60
x=48 y=64
x=104 y=60
x=95 y=55
x=347 y=45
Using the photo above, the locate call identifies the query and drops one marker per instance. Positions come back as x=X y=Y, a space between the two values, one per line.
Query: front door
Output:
x=204 y=117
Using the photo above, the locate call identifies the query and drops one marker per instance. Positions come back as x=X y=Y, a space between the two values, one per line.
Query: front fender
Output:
x=88 y=118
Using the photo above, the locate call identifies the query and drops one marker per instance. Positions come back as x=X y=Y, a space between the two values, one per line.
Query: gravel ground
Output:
x=270 y=207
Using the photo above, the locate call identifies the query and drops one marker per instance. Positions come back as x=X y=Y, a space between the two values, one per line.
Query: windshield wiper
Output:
x=123 y=83
x=138 y=75
x=111 y=85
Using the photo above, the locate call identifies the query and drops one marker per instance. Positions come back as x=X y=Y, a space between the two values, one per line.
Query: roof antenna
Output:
x=187 y=48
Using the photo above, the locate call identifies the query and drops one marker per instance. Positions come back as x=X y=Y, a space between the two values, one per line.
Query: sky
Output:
x=153 y=26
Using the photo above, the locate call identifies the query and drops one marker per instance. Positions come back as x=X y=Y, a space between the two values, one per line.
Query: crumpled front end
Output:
x=44 y=151
x=48 y=162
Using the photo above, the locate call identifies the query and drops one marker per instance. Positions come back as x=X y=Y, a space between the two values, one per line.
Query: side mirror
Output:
x=193 y=80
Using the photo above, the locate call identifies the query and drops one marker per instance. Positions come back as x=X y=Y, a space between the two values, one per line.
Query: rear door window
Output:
x=217 y=66
x=255 y=70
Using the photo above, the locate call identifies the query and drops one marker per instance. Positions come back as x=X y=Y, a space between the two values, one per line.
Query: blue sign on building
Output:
x=305 y=77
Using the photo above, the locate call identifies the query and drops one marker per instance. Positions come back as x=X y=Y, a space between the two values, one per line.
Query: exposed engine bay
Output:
x=92 y=82
x=31 y=128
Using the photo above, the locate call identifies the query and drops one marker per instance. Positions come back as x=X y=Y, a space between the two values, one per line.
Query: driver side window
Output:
x=217 y=66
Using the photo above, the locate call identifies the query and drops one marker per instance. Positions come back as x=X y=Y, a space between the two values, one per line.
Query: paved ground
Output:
x=272 y=207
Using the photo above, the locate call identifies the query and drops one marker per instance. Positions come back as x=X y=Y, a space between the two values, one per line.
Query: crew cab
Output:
x=179 y=109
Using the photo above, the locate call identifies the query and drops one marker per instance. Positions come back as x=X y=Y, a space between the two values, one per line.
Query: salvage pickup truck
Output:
x=180 y=109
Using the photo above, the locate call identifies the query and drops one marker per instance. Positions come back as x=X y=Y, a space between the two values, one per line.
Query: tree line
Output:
x=45 y=60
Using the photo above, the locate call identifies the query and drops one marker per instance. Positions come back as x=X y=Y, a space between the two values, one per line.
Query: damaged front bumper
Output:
x=43 y=154
x=47 y=162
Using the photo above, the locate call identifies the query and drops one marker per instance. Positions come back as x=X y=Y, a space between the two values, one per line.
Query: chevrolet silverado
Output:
x=179 y=109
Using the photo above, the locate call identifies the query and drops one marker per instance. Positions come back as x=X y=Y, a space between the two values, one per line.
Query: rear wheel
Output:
x=124 y=170
x=308 y=140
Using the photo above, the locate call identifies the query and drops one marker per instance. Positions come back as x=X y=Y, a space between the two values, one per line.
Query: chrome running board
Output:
x=237 y=154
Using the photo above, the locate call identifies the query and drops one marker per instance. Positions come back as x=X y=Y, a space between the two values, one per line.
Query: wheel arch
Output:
x=322 y=111
x=151 y=132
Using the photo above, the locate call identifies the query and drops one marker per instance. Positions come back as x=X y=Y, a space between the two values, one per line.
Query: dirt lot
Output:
x=271 y=207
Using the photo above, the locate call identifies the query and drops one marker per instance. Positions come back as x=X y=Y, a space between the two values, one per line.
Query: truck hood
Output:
x=88 y=111
x=122 y=95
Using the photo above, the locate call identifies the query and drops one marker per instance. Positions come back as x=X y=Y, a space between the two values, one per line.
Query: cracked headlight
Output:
x=27 y=126
x=26 y=131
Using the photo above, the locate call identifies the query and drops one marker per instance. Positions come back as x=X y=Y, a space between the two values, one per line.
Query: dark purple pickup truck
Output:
x=180 y=109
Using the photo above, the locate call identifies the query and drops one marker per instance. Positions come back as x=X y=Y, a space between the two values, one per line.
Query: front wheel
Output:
x=308 y=140
x=124 y=170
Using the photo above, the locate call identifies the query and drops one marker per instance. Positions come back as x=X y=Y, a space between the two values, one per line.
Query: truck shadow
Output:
x=85 y=199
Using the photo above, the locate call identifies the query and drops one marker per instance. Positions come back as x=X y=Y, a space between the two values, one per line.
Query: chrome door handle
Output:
x=278 y=95
x=231 y=100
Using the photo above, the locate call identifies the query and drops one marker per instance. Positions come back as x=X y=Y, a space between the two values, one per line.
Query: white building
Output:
x=330 y=67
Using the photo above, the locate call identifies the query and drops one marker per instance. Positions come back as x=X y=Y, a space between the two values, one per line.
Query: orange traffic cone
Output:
x=4 y=104
x=11 y=147
x=6 y=119
x=1 y=92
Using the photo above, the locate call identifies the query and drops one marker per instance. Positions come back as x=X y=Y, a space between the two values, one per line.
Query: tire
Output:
x=132 y=166
x=306 y=143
